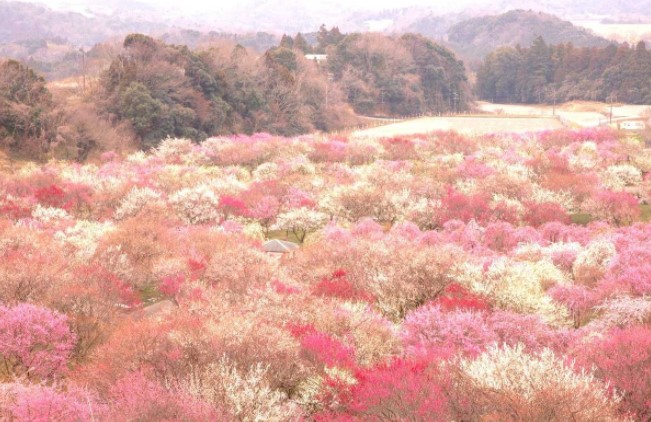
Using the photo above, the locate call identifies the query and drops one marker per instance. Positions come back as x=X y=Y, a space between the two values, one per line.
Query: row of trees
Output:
x=314 y=42
x=546 y=73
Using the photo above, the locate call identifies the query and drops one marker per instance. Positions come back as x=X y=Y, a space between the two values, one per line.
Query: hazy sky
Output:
x=197 y=5
x=308 y=15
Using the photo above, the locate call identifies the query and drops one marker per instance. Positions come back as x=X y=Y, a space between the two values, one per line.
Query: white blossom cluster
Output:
x=303 y=219
x=265 y=172
x=513 y=371
x=84 y=236
x=49 y=214
x=171 y=149
x=196 y=205
x=642 y=161
x=138 y=157
x=247 y=395
x=519 y=286
x=136 y=200
x=226 y=185
x=621 y=176
x=596 y=255
x=585 y=158
x=89 y=174
x=566 y=199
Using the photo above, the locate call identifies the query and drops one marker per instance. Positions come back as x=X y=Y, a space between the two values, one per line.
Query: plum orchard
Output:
x=440 y=277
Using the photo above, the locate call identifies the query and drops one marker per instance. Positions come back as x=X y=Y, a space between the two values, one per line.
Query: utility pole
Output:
x=329 y=78
x=83 y=69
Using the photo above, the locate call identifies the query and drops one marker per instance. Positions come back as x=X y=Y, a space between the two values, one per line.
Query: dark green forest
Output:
x=543 y=73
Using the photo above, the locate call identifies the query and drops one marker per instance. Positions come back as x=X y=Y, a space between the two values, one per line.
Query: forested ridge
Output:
x=477 y=37
x=149 y=90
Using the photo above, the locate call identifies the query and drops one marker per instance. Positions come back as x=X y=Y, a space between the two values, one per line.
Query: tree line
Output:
x=545 y=73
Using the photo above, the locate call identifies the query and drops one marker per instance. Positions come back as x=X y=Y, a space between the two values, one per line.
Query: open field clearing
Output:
x=71 y=90
x=593 y=107
x=574 y=114
x=620 y=32
x=463 y=124
x=514 y=118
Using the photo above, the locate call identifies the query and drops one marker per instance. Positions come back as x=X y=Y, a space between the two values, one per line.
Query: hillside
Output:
x=611 y=8
x=476 y=37
x=398 y=76
x=294 y=15
x=50 y=40
x=434 y=26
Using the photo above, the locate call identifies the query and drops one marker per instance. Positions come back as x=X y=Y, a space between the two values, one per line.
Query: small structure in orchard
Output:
x=277 y=247
x=632 y=125
x=319 y=58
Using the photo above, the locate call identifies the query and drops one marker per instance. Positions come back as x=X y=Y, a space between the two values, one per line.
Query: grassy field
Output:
x=514 y=118
x=574 y=113
x=480 y=124
x=645 y=212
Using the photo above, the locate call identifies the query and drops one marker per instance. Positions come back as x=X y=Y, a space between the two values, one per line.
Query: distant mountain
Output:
x=433 y=26
x=277 y=16
x=475 y=38
x=41 y=35
x=27 y=22
x=614 y=9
